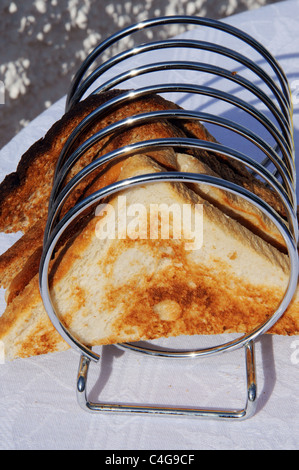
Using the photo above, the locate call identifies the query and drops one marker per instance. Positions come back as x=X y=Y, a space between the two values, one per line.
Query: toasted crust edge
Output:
x=44 y=145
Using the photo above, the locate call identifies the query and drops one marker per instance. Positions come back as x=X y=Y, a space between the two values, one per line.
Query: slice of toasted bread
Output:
x=129 y=288
x=23 y=204
x=24 y=195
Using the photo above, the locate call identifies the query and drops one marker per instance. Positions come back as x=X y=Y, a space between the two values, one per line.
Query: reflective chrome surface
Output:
x=281 y=179
x=239 y=414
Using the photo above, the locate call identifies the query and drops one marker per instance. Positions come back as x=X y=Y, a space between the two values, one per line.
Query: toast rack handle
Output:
x=241 y=414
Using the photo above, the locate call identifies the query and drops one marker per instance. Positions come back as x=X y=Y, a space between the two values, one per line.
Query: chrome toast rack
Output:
x=276 y=168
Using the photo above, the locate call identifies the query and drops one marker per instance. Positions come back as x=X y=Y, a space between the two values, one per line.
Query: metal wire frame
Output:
x=246 y=341
x=196 y=21
x=283 y=145
x=284 y=168
x=182 y=43
x=234 y=414
x=109 y=190
x=60 y=192
x=282 y=96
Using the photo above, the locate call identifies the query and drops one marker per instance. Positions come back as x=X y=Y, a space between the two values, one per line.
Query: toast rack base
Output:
x=238 y=414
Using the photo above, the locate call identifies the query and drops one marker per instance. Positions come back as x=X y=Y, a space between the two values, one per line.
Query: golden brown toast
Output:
x=19 y=265
x=111 y=290
x=24 y=195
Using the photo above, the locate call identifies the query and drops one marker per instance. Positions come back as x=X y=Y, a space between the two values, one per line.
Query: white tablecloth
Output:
x=38 y=407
